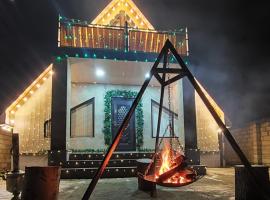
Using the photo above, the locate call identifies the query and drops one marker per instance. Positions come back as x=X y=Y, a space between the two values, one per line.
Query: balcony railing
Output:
x=78 y=34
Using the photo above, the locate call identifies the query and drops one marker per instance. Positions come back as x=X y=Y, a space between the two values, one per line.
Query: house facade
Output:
x=80 y=100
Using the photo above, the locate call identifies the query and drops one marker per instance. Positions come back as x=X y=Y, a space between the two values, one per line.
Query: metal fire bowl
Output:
x=14 y=183
x=151 y=178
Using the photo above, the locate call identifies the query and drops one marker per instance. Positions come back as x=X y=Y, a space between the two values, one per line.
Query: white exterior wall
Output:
x=84 y=92
x=80 y=92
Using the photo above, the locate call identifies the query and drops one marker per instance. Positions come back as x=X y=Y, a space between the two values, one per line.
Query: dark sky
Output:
x=229 y=45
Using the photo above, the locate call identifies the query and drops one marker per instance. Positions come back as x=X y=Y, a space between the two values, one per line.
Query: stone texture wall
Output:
x=254 y=140
x=5 y=146
x=265 y=141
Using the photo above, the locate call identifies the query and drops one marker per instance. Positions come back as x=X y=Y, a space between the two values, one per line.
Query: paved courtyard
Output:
x=217 y=184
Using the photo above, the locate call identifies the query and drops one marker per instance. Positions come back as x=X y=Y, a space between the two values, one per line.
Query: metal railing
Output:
x=80 y=34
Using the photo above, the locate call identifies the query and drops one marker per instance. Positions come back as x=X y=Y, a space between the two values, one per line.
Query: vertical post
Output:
x=126 y=37
x=59 y=112
x=258 y=143
x=221 y=148
x=15 y=152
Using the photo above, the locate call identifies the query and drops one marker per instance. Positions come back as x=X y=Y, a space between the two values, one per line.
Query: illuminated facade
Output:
x=78 y=102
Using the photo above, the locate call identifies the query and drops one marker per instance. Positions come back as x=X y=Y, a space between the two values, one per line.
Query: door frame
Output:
x=132 y=146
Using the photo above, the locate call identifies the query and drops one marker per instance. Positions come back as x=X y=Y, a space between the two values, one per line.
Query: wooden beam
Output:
x=176 y=78
x=170 y=70
x=256 y=183
x=121 y=129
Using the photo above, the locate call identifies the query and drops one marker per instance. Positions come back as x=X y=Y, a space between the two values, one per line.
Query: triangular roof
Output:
x=27 y=93
x=116 y=8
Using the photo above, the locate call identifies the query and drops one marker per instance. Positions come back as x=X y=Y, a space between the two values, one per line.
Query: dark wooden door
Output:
x=120 y=107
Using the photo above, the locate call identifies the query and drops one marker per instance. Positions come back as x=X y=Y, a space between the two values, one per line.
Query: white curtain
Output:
x=82 y=121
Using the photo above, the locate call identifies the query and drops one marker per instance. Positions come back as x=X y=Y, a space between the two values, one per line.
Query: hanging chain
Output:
x=169 y=104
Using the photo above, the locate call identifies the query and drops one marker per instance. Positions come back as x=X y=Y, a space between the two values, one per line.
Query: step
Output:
x=88 y=173
x=97 y=163
x=100 y=156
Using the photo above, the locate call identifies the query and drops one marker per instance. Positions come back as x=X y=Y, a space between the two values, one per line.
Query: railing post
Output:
x=126 y=37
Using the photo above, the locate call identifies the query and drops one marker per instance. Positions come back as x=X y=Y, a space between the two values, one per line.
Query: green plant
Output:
x=107 y=130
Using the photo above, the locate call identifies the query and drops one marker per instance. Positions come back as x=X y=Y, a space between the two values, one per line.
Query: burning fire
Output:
x=170 y=170
x=165 y=159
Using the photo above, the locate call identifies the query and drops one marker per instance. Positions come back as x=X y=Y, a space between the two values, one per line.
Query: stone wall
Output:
x=5 y=146
x=29 y=160
x=254 y=140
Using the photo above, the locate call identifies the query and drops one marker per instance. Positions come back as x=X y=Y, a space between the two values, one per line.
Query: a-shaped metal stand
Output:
x=181 y=72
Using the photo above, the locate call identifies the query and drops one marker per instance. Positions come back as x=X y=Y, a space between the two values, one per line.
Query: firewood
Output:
x=163 y=177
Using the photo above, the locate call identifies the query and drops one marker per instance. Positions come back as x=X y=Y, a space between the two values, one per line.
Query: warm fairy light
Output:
x=131 y=11
x=12 y=121
x=44 y=79
x=113 y=8
x=18 y=106
x=38 y=85
x=137 y=17
x=51 y=72
x=25 y=98
x=31 y=91
x=12 y=112
x=126 y=4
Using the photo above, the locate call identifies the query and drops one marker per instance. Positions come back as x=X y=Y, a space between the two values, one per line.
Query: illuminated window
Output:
x=82 y=119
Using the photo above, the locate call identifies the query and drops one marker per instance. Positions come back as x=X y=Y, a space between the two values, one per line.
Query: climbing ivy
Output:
x=107 y=130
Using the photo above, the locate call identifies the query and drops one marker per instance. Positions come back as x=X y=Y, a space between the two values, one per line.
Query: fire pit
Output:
x=169 y=167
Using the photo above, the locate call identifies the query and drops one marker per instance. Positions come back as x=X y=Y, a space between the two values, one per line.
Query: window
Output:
x=82 y=119
x=47 y=128
x=164 y=131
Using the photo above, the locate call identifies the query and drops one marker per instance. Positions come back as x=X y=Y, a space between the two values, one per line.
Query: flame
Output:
x=165 y=159
x=168 y=161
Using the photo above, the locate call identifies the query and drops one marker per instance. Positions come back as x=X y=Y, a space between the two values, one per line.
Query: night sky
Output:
x=229 y=45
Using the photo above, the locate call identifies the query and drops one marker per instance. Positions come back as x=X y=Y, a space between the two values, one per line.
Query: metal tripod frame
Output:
x=181 y=73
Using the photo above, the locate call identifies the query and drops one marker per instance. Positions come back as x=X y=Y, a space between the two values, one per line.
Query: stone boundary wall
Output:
x=254 y=140
x=5 y=146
